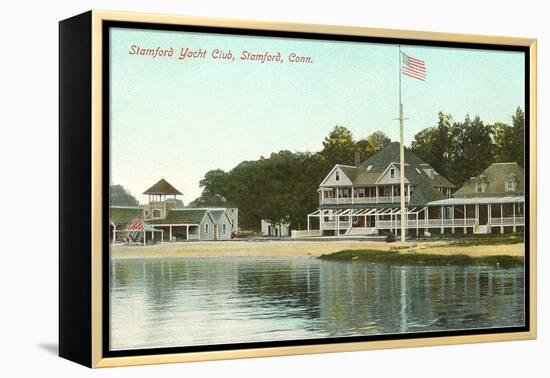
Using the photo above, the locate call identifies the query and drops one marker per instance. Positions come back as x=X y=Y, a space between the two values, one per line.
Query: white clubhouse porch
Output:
x=479 y=215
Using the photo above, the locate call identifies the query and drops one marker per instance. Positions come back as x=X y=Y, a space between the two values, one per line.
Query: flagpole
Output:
x=401 y=159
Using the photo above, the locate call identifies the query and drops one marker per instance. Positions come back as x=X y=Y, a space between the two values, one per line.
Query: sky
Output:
x=177 y=118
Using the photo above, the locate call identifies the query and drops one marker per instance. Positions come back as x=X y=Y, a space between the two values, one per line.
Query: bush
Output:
x=390 y=238
x=242 y=234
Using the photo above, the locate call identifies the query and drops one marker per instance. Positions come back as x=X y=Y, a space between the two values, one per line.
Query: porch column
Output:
x=501 y=219
x=170 y=234
x=391 y=193
x=321 y=220
x=161 y=236
x=337 y=223
x=365 y=222
x=352 y=194
x=442 y=220
x=376 y=193
x=308 y=222
x=513 y=217
x=453 y=219
x=187 y=233
x=409 y=193
x=465 y=217
x=337 y=195
x=417 y=223
x=426 y=217
x=114 y=233
x=144 y=237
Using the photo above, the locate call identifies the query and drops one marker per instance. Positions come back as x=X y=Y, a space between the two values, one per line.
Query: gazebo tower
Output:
x=162 y=198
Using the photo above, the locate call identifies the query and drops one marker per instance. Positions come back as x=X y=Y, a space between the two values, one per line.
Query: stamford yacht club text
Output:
x=187 y=54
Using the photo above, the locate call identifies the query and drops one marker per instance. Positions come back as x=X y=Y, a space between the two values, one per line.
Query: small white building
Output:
x=280 y=229
x=222 y=224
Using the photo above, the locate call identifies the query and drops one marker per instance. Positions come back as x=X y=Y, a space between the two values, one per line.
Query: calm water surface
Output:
x=220 y=300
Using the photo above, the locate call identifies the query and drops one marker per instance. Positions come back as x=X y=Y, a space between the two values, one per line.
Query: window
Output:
x=156 y=213
x=223 y=229
x=206 y=228
x=479 y=187
x=392 y=173
x=511 y=184
x=337 y=176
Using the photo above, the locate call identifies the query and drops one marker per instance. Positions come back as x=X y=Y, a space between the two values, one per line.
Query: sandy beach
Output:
x=300 y=248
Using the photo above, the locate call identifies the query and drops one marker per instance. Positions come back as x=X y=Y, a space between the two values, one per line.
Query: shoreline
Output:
x=290 y=248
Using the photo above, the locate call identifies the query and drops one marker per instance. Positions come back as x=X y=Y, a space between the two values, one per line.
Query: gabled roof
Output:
x=496 y=177
x=124 y=215
x=348 y=170
x=368 y=172
x=162 y=187
x=183 y=216
x=218 y=214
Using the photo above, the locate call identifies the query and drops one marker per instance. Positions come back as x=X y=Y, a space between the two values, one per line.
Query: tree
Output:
x=433 y=144
x=504 y=142
x=119 y=196
x=372 y=144
x=518 y=135
x=338 y=147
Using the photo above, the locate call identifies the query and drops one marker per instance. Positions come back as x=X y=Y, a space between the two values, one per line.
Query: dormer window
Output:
x=392 y=173
x=511 y=183
x=479 y=187
x=156 y=213
x=337 y=176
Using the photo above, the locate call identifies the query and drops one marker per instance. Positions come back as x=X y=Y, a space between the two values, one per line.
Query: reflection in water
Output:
x=215 y=300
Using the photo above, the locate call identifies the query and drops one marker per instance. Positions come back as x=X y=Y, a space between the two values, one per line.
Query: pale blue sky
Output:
x=177 y=119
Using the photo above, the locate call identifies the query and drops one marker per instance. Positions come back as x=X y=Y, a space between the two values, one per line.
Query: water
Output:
x=219 y=300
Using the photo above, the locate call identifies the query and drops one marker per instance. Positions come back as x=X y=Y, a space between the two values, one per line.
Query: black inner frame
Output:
x=107 y=25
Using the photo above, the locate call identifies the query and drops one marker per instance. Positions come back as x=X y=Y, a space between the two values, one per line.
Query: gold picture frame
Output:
x=82 y=41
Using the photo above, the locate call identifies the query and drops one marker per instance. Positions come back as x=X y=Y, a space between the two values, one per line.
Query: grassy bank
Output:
x=423 y=259
x=473 y=240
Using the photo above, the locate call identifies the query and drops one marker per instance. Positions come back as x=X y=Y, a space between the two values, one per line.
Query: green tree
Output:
x=338 y=147
x=372 y=144
x=119 y=196
x=433 y=144
x=518 y=126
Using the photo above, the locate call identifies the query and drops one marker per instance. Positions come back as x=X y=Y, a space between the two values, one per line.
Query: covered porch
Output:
x=179 y=231
x=484 y=214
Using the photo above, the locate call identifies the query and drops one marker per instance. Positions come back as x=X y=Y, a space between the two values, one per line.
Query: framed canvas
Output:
x=234 y=189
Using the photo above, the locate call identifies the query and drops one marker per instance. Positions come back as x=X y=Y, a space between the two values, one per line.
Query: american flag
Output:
x=413 y=67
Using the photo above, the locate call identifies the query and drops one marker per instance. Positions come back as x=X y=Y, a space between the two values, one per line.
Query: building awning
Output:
x=477 y=200
x=365 y=212
x=139 y=225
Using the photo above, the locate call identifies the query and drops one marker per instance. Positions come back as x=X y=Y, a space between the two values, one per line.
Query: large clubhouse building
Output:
x=364 y=199
x=162 y=220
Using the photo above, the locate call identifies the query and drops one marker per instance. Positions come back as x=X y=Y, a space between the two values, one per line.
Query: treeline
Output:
x=460 y=150
x=283 y=186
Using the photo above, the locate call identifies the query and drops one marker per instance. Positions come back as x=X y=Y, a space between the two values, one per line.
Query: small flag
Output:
x=413 y=67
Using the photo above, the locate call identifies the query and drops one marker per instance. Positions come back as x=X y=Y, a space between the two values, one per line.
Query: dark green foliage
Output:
x=460 y=150
x=282 y=187
x=423 y=259
x=119 y=196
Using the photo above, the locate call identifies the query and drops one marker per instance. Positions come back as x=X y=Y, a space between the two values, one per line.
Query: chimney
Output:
x=357 y=158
